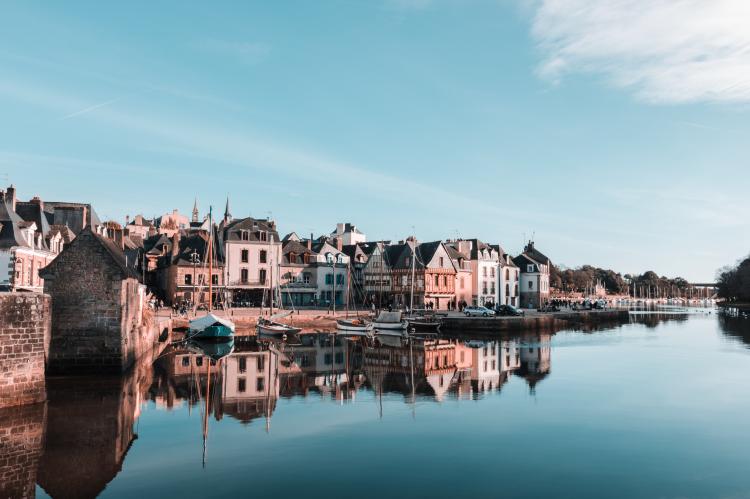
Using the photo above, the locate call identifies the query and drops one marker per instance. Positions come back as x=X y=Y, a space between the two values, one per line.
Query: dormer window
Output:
x=529 y=268
x=245 y=235
x=263 y=236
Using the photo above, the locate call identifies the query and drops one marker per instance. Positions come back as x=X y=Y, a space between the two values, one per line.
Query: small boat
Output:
x=353 y=325
x=391 y=338
x=424 y=322
x=271 y=328
x=390 y=320
x=212 y=327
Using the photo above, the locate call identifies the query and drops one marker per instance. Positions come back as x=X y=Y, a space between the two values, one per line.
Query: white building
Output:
x=252 y=256
x=349 y=234
x=508 y=278
x=534 y=280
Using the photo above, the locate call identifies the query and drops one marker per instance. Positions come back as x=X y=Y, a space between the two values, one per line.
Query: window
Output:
x=441 y=261
x=260 y=384
x=484 y=271
x=492 y=271
x=199 y=361
x=263 y=236
x=529 y=268
x=507 y=360
x=245 y=256
x=242 y=364
x=241 y=385
x=261 y=363
x=437 y=281
x=263 y=256
x=437 y=362
x=494 y=365
x=243 y=275
x=445 y=281
x=306 y=278
x=329 y=279
x=185 y=361
x=215 y=279
x=485 y=366
x=507 y=275
x=339 y=357
x=328 y=359
x=531 y=285
x=340 y=279
x=245 y=235
x=507 y=289
x=262 y=276
x=188 y=279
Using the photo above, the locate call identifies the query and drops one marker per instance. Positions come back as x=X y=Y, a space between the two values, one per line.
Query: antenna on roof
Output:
x=533 y=234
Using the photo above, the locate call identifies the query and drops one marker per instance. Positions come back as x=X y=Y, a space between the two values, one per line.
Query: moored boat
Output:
x=390 y=320
x=211 y=327
x=353 y=325
x=271 y=328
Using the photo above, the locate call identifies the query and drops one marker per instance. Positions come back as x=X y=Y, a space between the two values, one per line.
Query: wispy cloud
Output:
x=88 y=109
x=408 y=4
x=242 y=51
x=666 y=51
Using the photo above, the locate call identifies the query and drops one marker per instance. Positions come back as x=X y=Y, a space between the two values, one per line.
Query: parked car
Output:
x=549 y=308
x=508 y=311
x=478 y=312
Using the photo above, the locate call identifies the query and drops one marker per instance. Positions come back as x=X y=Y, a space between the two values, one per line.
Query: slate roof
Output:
x=10 y=233
x=195 y=243
x=232 y=231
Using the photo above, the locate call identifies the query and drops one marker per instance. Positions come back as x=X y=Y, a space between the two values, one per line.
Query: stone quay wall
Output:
x=24 y=346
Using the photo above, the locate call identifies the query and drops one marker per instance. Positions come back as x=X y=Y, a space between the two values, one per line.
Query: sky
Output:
x=612 y=132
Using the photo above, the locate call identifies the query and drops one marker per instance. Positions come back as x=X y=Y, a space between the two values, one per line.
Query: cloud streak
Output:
x=88 y=109
x=664 y=51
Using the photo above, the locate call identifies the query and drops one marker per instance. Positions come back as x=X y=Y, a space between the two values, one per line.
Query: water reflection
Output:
x=76 y=443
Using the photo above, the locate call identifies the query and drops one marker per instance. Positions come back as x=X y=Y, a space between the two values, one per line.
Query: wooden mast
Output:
x=210 y=259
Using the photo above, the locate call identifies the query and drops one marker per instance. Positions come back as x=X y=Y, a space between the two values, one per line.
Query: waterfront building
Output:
x=27 y=242
x=250 y=384
x=464 y=274
x=433 y=270
x=534 y=277
x=299 y=273
x=535 y=358
x=484 y=262
x=508 y=277
x=376 y=274
x=333 y=273
x=184 y=271
x=97 y=307
x=252 y=256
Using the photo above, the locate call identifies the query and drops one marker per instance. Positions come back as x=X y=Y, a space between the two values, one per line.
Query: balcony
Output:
x=247 y=283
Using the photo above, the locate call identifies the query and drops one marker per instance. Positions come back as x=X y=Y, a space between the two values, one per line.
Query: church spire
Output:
x=195 y=210
x=227 y=215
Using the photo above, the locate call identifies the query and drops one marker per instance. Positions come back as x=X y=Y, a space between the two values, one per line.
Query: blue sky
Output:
x=615 y=131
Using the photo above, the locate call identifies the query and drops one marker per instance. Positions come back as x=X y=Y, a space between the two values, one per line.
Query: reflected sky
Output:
x=655 y=408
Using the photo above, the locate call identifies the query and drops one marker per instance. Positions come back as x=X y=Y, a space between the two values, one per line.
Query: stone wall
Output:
x=98 y=322
x=24 y=343
x=21 y=442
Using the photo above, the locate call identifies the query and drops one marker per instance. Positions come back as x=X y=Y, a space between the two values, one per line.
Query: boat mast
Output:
x=413 y=270
x=210 y=259
x=348 y=289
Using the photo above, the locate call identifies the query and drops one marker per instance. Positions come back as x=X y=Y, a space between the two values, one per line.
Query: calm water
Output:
x=658 y=408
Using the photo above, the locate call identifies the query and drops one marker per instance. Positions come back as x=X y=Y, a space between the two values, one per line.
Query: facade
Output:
x=299 y=274
x=434 y=274
x=376 y=275
x=534 y=277
x=97 y=307
x=333 y=272
x=185 y=270
x=508 y=278
x=140 y=227
x=252 y=254
x=27 y=243
x=484 y=262
x=464 y=276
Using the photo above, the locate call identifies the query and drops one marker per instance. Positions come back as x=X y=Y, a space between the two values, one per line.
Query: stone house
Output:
x=184 y=271
x=508 y=277
x=27 y=243
x=534 y=277
x=98 y=314
x=484 y=262
x=299 y=273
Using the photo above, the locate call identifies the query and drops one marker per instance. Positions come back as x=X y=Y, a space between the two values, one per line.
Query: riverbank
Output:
x=321 y=320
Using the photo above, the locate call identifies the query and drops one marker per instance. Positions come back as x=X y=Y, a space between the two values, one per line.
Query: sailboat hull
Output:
x=215 y=332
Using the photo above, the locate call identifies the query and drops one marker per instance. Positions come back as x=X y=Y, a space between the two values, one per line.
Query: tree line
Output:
x=734 y=282
x=649 y=284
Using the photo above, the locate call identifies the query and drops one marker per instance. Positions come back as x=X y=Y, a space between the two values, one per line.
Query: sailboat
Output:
x=271 y=326
x=211 y=326
x=355 y=326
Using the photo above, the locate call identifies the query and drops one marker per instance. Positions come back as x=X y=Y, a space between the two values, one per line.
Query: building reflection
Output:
x=90 y=428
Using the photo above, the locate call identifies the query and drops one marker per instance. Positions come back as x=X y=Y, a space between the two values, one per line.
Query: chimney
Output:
x=176 y=243
x=10 y=197
x=127 y=219
x=339 y=243
x=309 y=243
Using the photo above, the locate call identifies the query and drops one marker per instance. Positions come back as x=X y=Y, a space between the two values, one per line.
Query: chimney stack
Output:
x=339 y=243
x=10 y=197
